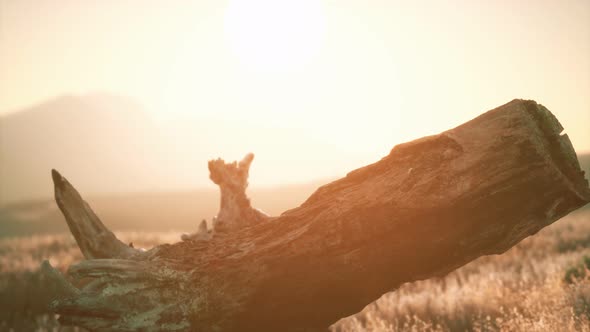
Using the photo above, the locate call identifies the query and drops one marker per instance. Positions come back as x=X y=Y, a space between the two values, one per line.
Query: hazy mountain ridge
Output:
x=133 y=173
x=104 y=135
x=107 y=144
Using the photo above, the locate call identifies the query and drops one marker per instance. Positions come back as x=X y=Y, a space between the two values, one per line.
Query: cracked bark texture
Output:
x=427 y=208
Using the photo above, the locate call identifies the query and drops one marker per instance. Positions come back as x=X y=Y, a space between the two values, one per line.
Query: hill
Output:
x=107 y=144
x=101 y=135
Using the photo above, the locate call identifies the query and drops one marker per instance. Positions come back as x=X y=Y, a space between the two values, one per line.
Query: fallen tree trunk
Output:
x=429 y=207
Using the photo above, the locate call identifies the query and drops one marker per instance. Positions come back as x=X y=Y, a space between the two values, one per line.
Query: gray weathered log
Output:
x=429 y=207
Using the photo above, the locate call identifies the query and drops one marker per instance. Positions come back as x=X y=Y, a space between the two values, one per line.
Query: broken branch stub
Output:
x=430 y=206
x=93 y=238
x=235 y=210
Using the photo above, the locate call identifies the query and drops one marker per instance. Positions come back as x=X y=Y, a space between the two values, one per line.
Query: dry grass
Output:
x=521 y=290
x=25 y=293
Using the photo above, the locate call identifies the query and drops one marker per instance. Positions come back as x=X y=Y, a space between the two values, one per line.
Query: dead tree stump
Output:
x=429 y=207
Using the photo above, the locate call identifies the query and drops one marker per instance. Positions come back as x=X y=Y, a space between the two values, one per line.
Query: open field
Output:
x=522 y=290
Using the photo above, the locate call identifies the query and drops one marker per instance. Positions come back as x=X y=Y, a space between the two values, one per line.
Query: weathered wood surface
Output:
x=429 y=207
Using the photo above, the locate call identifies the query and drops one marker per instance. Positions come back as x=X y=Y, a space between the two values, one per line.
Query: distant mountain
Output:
x=104 y=143
x=133 y=174
x=107 y=144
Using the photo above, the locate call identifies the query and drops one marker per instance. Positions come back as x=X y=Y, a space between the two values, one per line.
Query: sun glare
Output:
x=274 y=35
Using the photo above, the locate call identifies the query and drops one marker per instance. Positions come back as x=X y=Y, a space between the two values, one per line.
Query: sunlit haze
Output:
x=314 y=89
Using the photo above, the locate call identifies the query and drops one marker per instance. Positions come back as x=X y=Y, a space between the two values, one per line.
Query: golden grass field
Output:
x=524 y=289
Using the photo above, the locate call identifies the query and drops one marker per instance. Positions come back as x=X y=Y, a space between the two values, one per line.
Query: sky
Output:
x=339 y=82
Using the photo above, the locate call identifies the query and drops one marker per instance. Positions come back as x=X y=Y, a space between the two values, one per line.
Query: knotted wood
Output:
x=427 y=208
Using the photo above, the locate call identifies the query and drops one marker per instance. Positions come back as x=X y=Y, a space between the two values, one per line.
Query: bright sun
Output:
x=274 y=35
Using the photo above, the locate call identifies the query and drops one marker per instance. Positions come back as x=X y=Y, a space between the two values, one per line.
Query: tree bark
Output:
x=429 y=207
